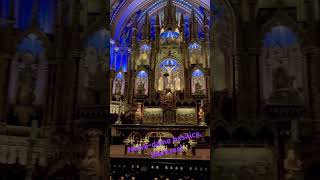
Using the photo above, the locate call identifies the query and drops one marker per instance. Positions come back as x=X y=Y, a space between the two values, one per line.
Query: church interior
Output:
x=85 y=84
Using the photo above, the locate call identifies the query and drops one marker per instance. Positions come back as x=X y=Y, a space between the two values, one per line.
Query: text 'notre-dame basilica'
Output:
x=219 y=89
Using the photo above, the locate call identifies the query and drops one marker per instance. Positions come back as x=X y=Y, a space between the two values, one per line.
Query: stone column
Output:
x=4 y=79
x=248 y=84
x=50 y=92
x=106 y=153
x=94 y=163
x=30 y=158
x=316 y=6
x=313 y=76
x=301 y=10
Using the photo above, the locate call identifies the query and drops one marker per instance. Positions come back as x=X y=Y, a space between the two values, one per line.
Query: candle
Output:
x=201 y=102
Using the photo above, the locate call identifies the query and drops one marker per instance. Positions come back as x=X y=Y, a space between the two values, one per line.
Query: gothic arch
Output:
x=229 y=13
x=47 y=45
x=94 y=65
x=28 y=79
x=282 y=18
x=223 y=34
x=293 y=66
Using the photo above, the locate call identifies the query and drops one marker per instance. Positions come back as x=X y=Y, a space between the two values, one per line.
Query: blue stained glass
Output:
x=4 y=9
x=194 y=46
x=23 y=13
x=197 y=73
x=169 y=34
x=118 y=63
x=124 y=62
x=111 y=57
x=46 y=15
x=280 y=36
x=31 y=44
x=201 y=34
x=172 y=63
x=142 y=74
x=186 y=28
x=119 y=76
x=145 y=48
x=151 y=9
x=153 y=29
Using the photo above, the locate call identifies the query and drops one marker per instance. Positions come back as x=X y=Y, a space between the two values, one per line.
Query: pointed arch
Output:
x=281 y=18
x=47 y=45
x=282 y=62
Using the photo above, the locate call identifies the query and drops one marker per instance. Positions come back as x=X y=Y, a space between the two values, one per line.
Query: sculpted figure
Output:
x=118 y=87
x=292 y=165
x=26 y=86
x=198 y=89
x=91 y=162
x=281 y=78
x=141 y=89
x=160 y=84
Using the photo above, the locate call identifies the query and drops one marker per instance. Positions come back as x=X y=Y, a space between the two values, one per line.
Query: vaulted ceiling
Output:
x=124 y=10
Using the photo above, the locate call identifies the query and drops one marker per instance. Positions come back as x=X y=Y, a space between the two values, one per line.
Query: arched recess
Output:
x=169 y=74
x=93 y=68
x=283 y=68
x=141 y=83
x=28 y=80
x=118 y=85
x=198 y=82
x=223 y=36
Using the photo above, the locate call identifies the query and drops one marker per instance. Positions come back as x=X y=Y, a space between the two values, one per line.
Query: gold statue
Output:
x=138 y=113
x=202 y=117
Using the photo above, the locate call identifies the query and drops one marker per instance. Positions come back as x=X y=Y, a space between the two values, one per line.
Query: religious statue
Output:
x=201 y=116
x=177 y=84
x=26 y=86
x=292 y=165
x=169 y=98
x=281 y=79
x=160 y=83
x=118 y=87
x=138 y=114
x=198 y=89
x=91 y=162
x=141 y=90
x=101 y=77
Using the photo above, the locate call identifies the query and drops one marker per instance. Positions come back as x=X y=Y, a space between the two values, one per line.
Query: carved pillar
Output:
x=313 y=76
x=91 y=167
x=248 y=82
x=50 y=92
x=301 y=10
x=30 y=160
x=106 y=153
x=187 y=82
x=7 y=48
x=316 y=6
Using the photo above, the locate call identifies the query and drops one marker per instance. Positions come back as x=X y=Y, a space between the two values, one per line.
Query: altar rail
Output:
x=146 y=168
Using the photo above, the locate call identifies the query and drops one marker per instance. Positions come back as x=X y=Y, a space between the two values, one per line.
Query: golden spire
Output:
x=146 y=27
x=134 y=31
x=193 y=27
x=170 y=16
